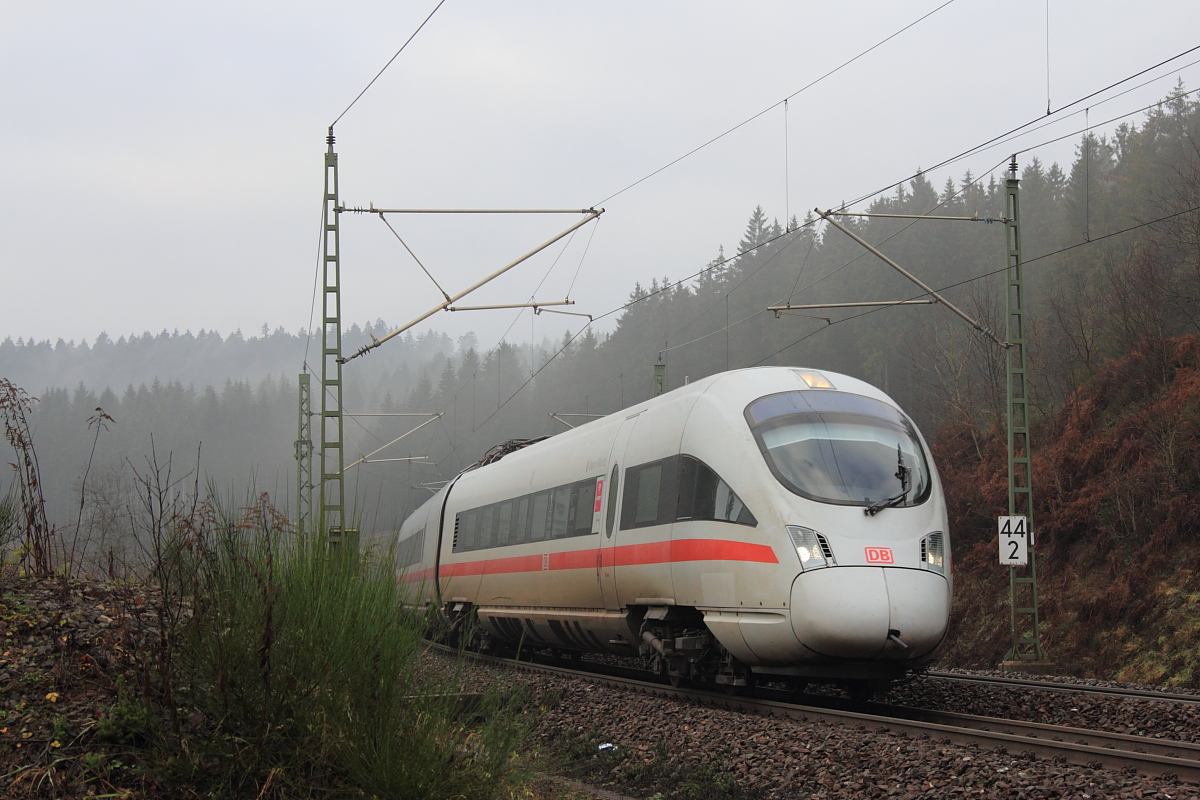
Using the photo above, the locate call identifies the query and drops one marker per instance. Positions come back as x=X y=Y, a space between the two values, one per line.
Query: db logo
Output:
x=879 y=555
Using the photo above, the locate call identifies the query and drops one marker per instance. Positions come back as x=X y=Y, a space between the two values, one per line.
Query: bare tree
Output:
x=1140 y=317
x=1070 y=336
x=963 y=373
x=1177 y=236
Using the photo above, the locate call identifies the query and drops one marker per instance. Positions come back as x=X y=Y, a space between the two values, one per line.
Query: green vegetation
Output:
x=240 y=660
x=313 y=671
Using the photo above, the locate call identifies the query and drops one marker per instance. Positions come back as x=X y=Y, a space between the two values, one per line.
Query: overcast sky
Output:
x=165 y=159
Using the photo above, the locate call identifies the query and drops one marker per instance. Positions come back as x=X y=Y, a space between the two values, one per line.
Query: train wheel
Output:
x=677 y=675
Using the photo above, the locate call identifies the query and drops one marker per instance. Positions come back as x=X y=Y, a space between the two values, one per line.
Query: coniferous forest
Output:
x=1112 y=253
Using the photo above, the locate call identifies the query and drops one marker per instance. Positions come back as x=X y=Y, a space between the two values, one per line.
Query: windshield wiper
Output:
x=902 y=473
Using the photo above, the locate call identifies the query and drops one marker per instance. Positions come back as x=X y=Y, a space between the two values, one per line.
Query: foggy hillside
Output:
x=1093 y=293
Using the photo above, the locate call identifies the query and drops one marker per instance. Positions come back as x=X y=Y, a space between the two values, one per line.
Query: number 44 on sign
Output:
x=1015 y=539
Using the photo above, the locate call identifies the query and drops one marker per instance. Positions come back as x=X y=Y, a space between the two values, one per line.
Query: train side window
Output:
x=572 y=507
x=643 y=485
x=561 y=512
x=649 y=483
x=687 y=488
x=540 y=509
x=520 y=533
x=410 y=550
x=610 y=517
x=466 y=536
x=730 y=508
x=484 y=536
x=704 y=495
x=505 y=523
x=584 y=501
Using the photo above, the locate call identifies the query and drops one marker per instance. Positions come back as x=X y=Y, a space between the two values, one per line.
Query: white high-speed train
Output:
x=761 y=522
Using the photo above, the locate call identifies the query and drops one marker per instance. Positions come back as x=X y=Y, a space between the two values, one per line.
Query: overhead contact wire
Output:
x=388 y=64
x=806 y=87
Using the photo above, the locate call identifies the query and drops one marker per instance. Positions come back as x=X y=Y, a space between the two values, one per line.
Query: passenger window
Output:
x=540 y=512
x=646 y=487
x=521 y=534
x=613 y=485
x=505 y=524
x=649 y=481
x=487 y=523
x=467 y=535
x=561 y=512
x=585 y=501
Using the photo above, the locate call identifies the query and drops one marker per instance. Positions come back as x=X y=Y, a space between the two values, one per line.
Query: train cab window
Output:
x=841 y=448
x=703 y=495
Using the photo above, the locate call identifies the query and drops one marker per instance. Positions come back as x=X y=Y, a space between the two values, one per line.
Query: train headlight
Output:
x=933 y=552
x=811 y=547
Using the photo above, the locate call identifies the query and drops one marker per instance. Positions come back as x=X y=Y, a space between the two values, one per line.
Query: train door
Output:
x=607 y=567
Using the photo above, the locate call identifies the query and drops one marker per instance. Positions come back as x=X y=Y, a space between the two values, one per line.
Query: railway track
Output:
x=1084 y=747
x=1067 y=688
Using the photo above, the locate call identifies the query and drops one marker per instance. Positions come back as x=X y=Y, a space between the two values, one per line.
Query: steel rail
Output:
x=1118 y=751
x=1058 y=733
x=1068 y=688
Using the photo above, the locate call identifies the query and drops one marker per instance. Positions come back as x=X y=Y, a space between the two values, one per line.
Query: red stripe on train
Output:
x=628 y=555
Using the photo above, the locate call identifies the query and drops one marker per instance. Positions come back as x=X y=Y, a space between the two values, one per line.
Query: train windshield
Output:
x=841 y=448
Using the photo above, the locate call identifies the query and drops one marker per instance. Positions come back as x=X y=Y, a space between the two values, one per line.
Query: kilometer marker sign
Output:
x=1014 y=541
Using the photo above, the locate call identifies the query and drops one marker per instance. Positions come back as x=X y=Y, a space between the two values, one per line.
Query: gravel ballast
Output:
x=679 y=749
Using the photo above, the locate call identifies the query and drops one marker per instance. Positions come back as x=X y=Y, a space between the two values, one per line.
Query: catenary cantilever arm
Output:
x=828 y=217
x=592 y=214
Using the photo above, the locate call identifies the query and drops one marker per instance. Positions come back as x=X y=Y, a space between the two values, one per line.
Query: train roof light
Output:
x=815 y=380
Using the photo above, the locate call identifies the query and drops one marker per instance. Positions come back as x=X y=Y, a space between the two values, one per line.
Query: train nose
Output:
x=870 y=612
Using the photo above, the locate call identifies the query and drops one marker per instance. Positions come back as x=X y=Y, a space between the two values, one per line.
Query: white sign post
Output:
x=1014 y=541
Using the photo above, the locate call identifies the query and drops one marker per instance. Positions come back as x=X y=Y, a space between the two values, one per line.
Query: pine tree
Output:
x=757 y=231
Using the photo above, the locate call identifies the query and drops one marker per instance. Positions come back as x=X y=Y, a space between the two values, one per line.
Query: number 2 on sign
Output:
x=1014 y=541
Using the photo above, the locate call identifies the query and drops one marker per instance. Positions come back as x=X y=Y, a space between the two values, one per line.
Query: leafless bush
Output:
x=962 y=372
x=168 y=521
x=69 y=556
x=36 y=554
x=1069 y=336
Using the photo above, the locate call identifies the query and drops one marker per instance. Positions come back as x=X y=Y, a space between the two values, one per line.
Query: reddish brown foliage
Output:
x=1117 y=507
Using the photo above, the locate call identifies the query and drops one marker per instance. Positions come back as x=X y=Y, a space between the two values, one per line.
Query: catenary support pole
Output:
x=1023 y=593
x=331 y=520
x=304 y=454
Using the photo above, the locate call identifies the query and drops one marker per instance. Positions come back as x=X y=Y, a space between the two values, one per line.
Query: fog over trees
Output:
x=230 y=403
